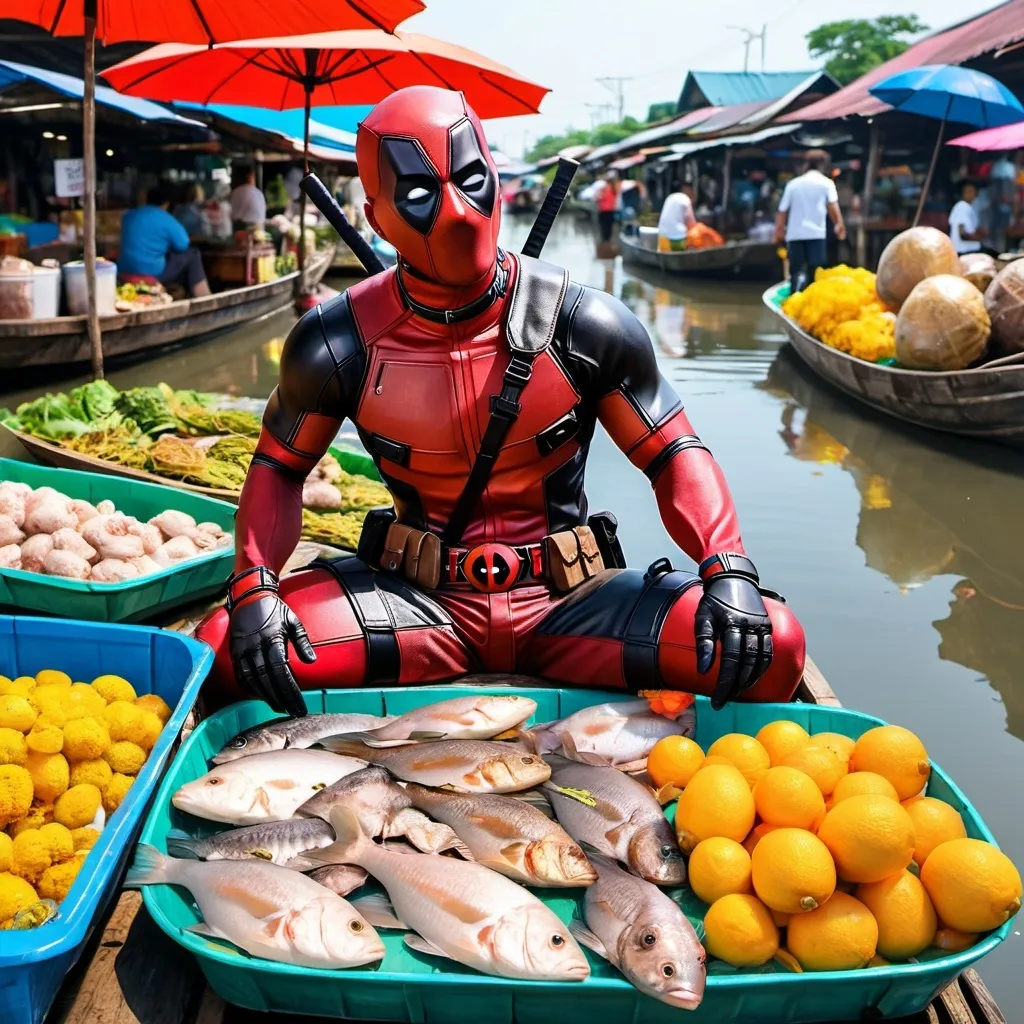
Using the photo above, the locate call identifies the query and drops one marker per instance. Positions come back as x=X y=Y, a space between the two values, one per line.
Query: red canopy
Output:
x=989 y=140
x=335 y=68
x=208 y=21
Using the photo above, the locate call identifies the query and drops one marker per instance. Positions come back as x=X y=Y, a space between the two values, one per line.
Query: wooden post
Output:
x=931 y=171
x=311 y=56
x=89 y=187
x=726 y=171
x=867 y=195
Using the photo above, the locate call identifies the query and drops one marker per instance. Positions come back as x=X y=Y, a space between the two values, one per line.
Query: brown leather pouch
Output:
x=572 y=556
x=394 y=546
x=414 y=553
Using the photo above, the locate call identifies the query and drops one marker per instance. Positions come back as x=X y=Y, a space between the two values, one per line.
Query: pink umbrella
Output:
x=1010 y=136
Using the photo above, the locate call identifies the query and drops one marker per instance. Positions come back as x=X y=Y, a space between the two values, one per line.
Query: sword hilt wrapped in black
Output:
x=318 y=195
x=552 y=204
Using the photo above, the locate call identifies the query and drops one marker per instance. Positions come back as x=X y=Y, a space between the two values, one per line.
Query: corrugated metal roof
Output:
x=729 y=117
x=683 y=149
x=999 y=27
x=727 y=88
x=656 y=134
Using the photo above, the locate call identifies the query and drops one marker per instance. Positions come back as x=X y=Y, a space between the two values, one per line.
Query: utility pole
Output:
x=616 y=85
x=748 y=37
x=599 y=113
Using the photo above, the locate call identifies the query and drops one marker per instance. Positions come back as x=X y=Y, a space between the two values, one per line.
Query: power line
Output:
x=616 y=85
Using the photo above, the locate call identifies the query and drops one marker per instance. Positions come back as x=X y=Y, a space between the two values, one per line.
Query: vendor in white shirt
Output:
x=248 y=204
x=676 y=220
x=964 y=228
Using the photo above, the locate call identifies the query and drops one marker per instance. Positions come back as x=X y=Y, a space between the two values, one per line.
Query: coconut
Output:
x=909 y=258
x=1004 y=301
x=943 y=325
x=979 y=268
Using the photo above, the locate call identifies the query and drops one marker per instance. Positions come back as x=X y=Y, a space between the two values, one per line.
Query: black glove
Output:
x=733 y=613
x=261 y=626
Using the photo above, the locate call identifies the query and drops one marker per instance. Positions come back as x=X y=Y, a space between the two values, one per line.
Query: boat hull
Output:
x=747 y=260
x=985 y=403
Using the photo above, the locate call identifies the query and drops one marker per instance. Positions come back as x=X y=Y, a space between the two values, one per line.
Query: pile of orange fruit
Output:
x=824 y=852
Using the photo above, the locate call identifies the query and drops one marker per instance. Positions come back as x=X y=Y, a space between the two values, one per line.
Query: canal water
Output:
x=902 y=552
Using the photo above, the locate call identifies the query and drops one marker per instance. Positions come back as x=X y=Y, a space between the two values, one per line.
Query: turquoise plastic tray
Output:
x=133 y=599
x=408 y=987
x=33 y=963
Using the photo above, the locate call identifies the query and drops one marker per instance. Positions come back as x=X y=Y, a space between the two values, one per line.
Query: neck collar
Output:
x=461 y=313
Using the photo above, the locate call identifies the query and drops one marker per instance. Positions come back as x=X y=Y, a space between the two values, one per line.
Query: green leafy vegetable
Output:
x=149 y=409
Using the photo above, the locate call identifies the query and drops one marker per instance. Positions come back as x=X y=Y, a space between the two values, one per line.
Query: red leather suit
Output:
x=419 y=394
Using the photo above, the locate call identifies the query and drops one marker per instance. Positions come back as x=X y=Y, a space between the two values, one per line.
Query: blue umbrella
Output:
x=947 y=92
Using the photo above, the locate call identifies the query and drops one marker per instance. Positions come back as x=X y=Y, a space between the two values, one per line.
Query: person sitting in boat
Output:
x=248 y=204
x=676 y=219
x=154 y=244
x=476 y=378
x=808 y=202
x=191 y=212
x=964 y=228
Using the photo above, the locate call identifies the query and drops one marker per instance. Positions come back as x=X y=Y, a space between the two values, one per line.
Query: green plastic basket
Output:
x=130 y=600
x=354 y=459
x=408 y=987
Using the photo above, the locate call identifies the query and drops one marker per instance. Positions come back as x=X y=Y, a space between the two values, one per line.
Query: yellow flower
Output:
x=78 y=806
x=15 y=895
x=57 y=880
x=31 y=856
x=13 y=749
x=15 y=793
x=59 y=841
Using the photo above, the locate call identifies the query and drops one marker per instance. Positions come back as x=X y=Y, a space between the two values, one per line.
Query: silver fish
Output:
x=267 y=910
x=617 y=816
x=280 y=842
x=460 y=910
x=340 y=878
x=642 y=933
x=263 y=787
x=617 y=734
x=508 y=835
x=463 y=766
x=461 y=718
x=298 y=733
x=383 y=809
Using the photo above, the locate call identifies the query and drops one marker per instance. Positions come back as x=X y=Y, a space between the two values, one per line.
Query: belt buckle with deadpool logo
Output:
x=492 y=568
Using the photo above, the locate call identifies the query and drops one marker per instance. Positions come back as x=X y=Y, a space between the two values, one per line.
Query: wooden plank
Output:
x=814 y=687
x=980 y=999
x=952 y=1007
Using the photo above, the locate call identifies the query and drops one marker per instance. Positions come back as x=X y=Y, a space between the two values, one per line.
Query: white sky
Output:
x=567 y=44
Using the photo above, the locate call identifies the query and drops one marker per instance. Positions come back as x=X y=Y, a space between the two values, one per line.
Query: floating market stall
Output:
x=746 y=260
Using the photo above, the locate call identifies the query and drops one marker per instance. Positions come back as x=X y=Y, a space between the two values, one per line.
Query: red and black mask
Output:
x=431 y=185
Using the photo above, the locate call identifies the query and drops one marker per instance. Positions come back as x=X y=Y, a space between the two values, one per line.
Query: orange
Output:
x=739 y=930
x=820 y=763
x=840 y=745
x=674 y=760
x=896 y=754
x=718 y=867
x=757 y=833
x=745 y=753
x=782 y=738
x=792 y=871
x=953 y=941
x=934 y=822
x=717 y=802
x=786 y=796
x=861 y=783
x=905 y=915
x=869 y=837
x=716 y=759
x=841 y=935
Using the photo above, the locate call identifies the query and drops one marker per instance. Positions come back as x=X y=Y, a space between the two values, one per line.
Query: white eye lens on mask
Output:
x=415 y=194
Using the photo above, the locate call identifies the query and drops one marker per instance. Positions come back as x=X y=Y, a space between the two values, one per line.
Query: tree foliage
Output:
x=602 y=135
x=853 y=47
x=661 y=111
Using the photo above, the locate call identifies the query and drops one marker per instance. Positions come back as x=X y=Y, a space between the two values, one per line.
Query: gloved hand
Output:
x=261 y=625
x=732 y=612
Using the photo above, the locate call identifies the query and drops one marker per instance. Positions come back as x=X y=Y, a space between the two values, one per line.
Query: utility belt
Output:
x=561 y=561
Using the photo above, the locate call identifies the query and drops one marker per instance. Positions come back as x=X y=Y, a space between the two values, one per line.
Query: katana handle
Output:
x=552 y=204
x=318 y=195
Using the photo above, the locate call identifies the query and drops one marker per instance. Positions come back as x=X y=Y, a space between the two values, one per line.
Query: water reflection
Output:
x=924 y=513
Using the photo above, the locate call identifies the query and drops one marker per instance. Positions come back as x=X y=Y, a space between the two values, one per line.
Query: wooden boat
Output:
x=984 y=402
x=749 y=260
x=64 y=340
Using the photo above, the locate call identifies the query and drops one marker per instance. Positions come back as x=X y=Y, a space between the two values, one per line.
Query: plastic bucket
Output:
x=46 y=292
x=106 y=287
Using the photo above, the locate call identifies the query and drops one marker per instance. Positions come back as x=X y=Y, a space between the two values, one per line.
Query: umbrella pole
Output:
x=89 y=187
x=931 y=170
x=300 y=288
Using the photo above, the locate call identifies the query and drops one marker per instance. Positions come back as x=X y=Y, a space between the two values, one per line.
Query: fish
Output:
x=263 y=787
x=294 y=733
x=617 y=816
x=462 y=718
x=621 y=734
x=384 y=810
x=642 y=933
x=340 y=878
x=279 y=842
x=265 y=909
x=459 y=910
x=508 y=835
x=462 y=766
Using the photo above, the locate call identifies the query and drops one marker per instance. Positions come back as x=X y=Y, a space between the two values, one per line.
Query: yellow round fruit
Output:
x=863 y=784
x=111 y=688
x=124 y=721
x=869 y=837
x=953 y=941
x=842 y=935
x=840 y=745
x=757 y=833
x=739 y=930
x=716 y=759
x=717 y=802
x=792 y=871
x=52 y=677
x=788 y=797
x=16 y=713
x=156 y=704
x=782 y=738
x=904 y=913
x=673 y=761
x=718 y=867
x=934 y=822
x=820 y=763
x=896 y=754
x=911 y=800
x=972 y=884
x=745 y=753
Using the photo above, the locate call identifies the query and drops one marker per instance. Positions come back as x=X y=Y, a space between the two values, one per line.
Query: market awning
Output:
x=685 y=149
x=1008 y=137
x=14 y=74
x=627 y=161
x=994 y=30
x=288 y=123
x=659 y=133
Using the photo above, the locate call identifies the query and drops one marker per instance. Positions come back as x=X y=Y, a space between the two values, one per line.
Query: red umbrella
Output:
x=191 y=21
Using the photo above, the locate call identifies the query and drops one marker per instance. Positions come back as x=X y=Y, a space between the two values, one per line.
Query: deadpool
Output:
x=475 y=378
